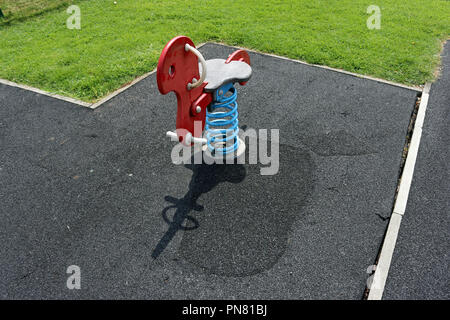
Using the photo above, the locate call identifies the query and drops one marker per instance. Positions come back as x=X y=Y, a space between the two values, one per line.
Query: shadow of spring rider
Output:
x=206 y=102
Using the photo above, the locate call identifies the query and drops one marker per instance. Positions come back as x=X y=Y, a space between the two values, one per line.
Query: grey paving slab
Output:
x=420 y=266
x=97 y=189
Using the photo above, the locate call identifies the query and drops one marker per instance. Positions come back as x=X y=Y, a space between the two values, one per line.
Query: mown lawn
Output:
x=14 y=10
x=118 y=42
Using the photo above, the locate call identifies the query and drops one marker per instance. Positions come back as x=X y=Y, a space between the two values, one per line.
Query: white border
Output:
x=118 y=91
x=408 y=170
x=53 y=95
x=115 y=93
x=387 y=250
x=414 y=88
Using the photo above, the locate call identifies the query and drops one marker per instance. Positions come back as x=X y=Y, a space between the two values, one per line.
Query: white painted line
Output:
x=418 y=89
x=387 y=250
x=408 y=170
x=53 y=95
x=384 y=262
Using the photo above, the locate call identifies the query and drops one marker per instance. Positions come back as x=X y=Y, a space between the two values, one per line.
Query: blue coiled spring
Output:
x=222 y=121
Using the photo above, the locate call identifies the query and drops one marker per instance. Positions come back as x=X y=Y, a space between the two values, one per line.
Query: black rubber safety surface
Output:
x=421 y=263
x=97 y=189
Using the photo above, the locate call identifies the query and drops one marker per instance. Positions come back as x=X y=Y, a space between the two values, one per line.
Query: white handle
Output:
x=189 y=138
x=190 y=86
x=172 y=135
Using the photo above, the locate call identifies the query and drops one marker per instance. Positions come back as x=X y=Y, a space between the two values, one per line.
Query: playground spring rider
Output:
x=209 y=98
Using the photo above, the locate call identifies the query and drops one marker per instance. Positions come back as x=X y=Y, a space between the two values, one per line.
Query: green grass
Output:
x=117 y=43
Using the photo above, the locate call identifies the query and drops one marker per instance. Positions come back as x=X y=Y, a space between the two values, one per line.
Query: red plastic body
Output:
x=239 y=55
x=176 y=68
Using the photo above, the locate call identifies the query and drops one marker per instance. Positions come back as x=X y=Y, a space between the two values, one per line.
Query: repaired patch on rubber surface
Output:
x=251 y=237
